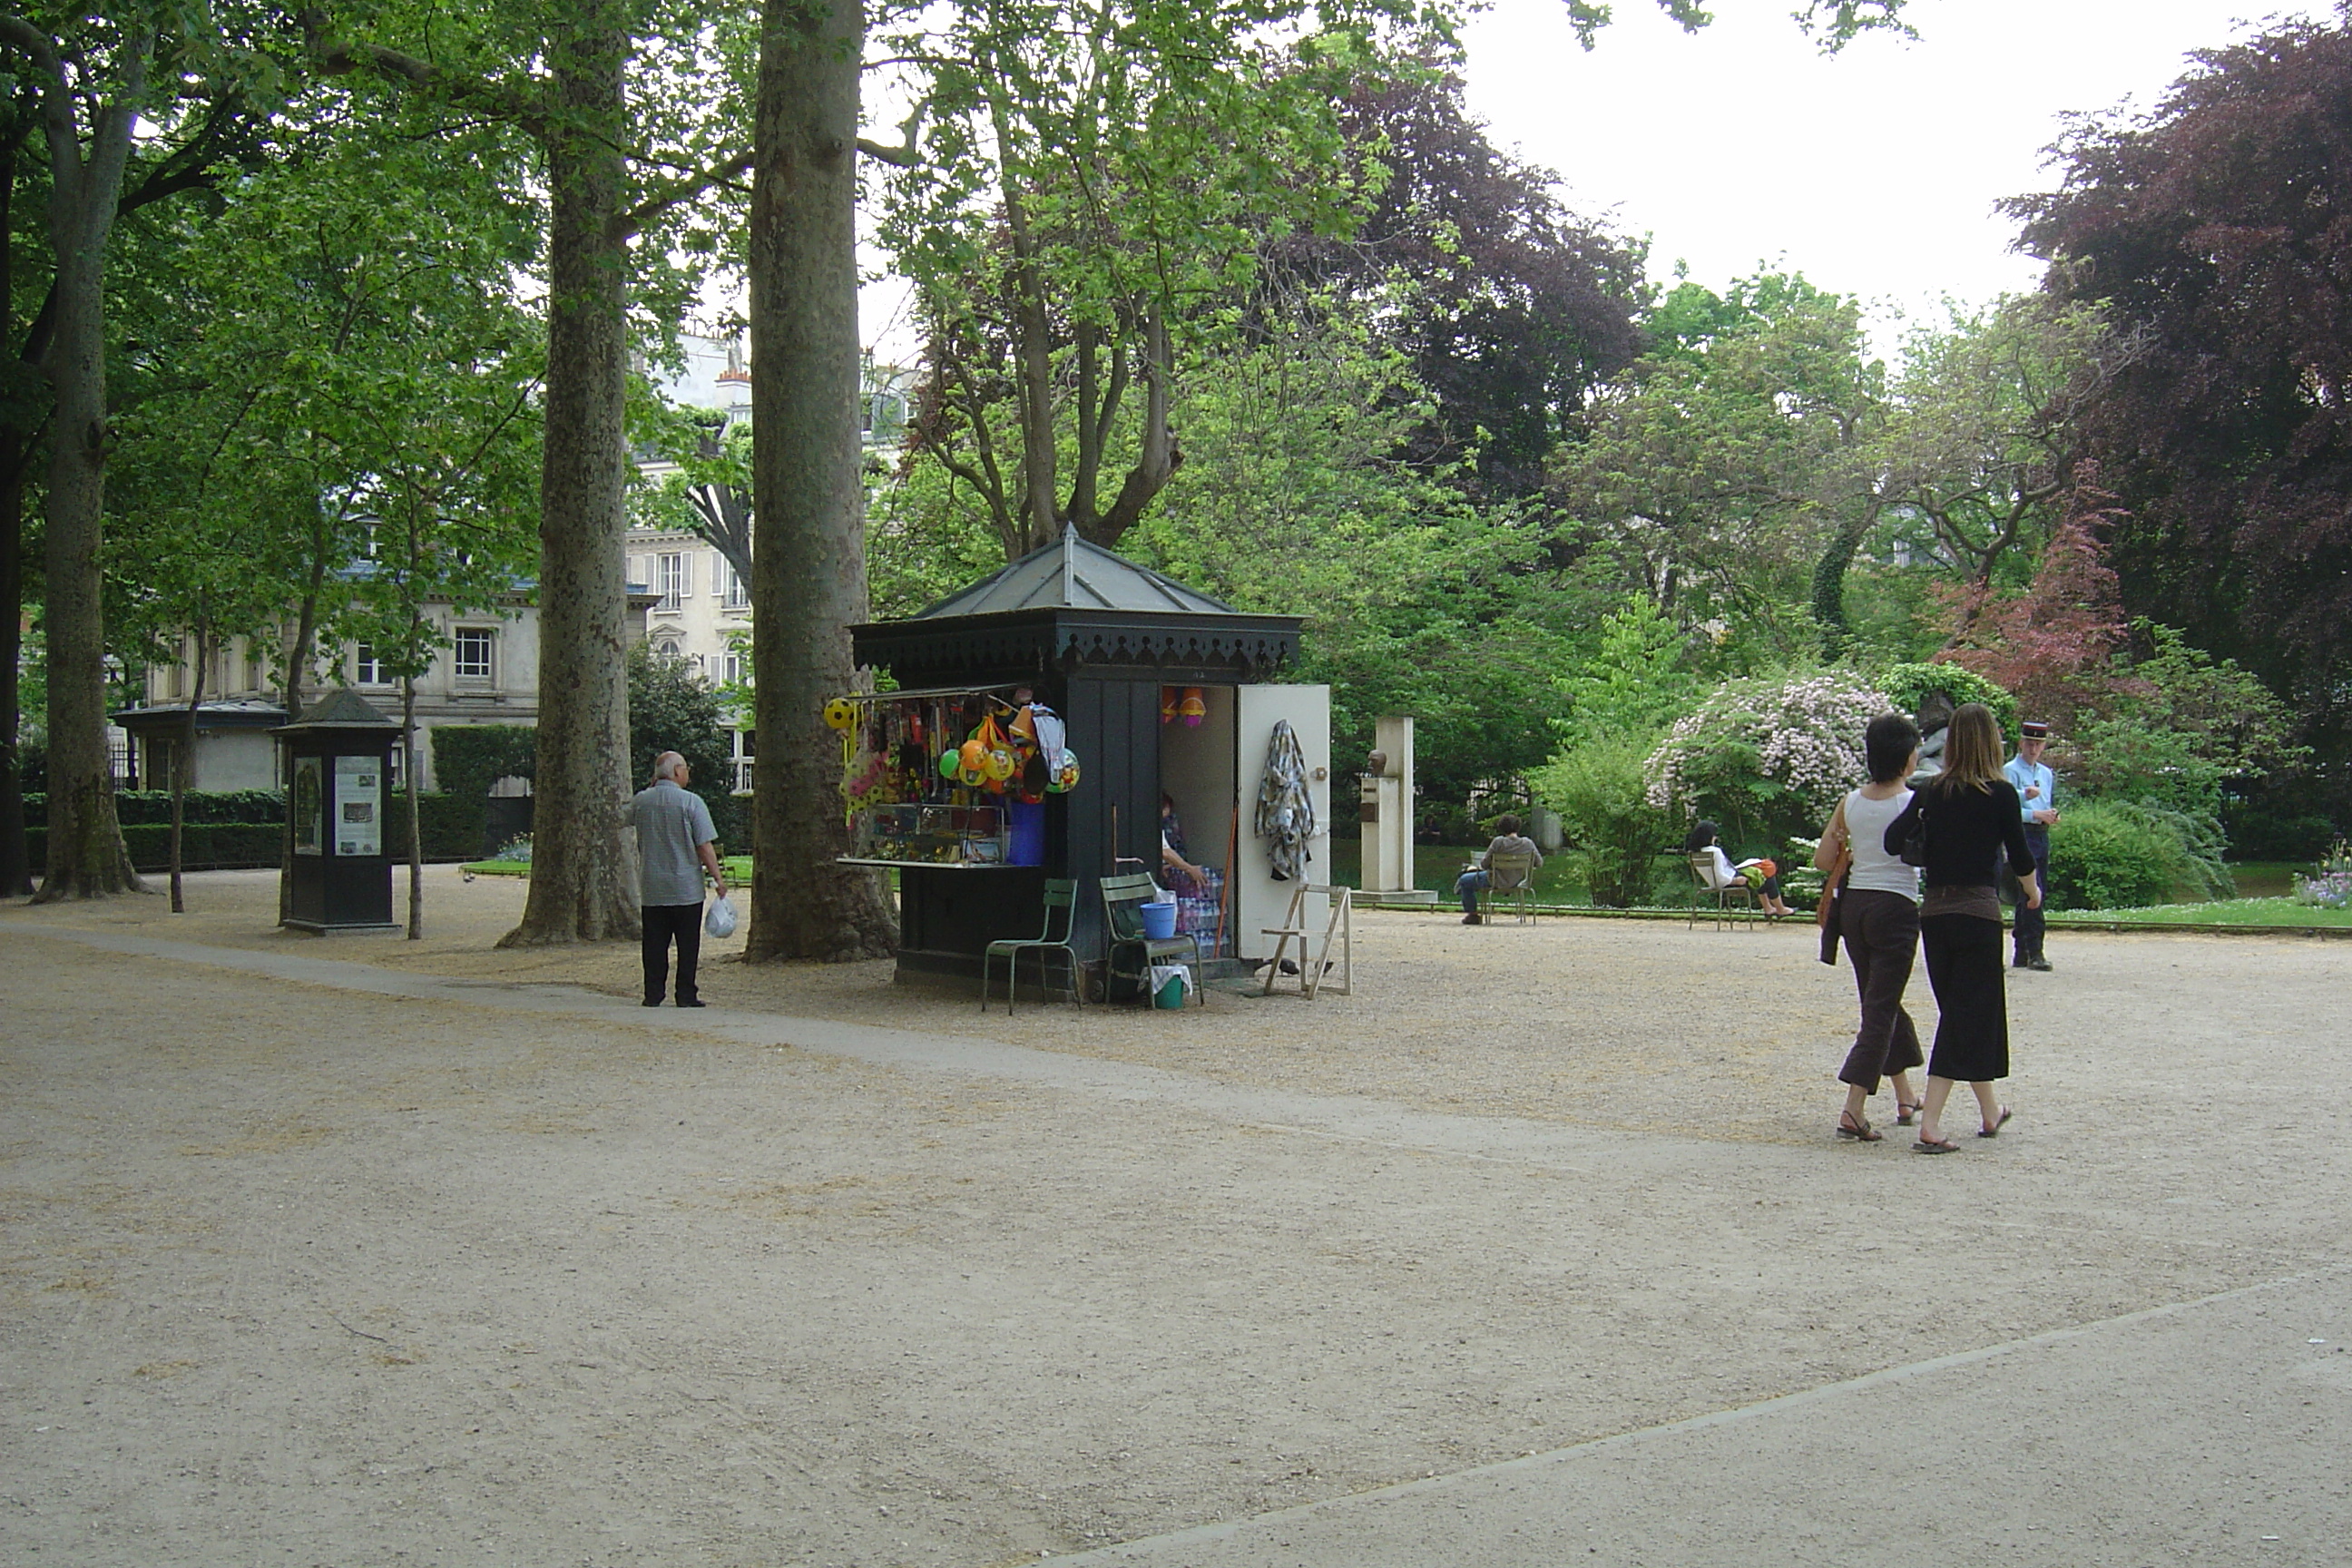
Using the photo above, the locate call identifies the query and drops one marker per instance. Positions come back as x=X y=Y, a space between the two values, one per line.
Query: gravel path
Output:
x=506 y=1269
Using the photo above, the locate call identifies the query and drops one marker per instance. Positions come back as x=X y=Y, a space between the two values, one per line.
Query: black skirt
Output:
x=1963 y=954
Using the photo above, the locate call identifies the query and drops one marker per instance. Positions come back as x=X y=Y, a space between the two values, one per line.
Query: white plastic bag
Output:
x=1161 y=973
x=718 y=919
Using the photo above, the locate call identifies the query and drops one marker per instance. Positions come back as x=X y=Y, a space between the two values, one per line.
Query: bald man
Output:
x=676 y=845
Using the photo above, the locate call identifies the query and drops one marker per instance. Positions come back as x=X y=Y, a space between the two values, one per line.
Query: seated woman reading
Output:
x=1760 y=874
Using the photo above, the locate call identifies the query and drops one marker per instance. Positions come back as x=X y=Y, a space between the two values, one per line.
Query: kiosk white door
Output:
x=1259 y=900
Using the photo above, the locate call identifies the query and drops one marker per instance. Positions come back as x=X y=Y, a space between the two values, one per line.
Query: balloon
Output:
x=949 y=763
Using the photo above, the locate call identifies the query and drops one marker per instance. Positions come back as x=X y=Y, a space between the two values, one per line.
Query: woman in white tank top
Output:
x=1878 y=917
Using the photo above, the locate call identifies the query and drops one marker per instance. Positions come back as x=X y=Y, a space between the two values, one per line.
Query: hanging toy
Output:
x=996 y=755
x=1192 y=708
x=1066 y=778
x=949 y=763
x=1168 y=700
x=840 y=714
x=972 y=754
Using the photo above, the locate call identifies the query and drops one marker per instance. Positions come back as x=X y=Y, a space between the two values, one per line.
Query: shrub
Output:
x=1908 y=685
x=1766 y=757
x=1598 y=789
x=137 y=808
x=2108 y=855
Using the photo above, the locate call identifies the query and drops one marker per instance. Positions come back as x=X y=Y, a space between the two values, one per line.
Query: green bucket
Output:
x=1171 y=993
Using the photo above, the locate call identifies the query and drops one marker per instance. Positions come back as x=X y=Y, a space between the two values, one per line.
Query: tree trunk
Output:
x=86 y=858
x=184 y=759
x=808 y=502
x=1829 y=581
x=582 y=886
x=415 y=813
x=15 y=444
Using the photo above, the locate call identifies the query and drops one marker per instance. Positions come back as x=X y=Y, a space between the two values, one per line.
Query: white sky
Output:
x=1873 y=172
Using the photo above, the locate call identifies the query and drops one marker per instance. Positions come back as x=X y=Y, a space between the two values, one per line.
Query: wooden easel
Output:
x=1293 y=924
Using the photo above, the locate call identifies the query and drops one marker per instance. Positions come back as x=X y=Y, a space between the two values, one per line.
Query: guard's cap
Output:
x=2034 y=730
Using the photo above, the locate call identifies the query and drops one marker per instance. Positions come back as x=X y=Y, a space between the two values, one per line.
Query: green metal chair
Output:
x=1511 y=880
x=1122 y=913
x=1060 y=894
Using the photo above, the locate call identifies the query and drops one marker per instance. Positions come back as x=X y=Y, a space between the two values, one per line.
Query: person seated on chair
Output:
x=1760 y=874
x=1476 y=880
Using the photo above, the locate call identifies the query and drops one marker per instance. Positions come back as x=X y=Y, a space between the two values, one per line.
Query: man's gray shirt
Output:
x=671 y=823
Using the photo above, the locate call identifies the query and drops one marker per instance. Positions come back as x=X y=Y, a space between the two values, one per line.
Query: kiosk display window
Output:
x=359 y=805
x=951 y=779
x=310 y=807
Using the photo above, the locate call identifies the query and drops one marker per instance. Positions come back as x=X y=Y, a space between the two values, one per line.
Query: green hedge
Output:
x=133 y=808
x=451 y=830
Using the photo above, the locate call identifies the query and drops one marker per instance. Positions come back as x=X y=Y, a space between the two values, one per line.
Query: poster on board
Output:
x=359 y=805
x=310 y=807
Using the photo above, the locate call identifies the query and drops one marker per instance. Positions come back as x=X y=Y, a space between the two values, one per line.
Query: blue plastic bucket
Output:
x=1159 y=920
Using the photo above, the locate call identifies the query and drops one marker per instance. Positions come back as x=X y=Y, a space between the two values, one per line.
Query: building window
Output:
x=736 y=593
x=673 y=580
x=366 y=668
x=475 y=649
x=666 y=647
x=734 y=668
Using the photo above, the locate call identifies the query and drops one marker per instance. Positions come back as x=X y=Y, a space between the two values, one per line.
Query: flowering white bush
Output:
x=1769 y=754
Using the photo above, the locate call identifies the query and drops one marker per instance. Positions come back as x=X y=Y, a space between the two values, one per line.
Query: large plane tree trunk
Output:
x=808 y=503
x=582 y=883
x=86 y=858
x=16 y=862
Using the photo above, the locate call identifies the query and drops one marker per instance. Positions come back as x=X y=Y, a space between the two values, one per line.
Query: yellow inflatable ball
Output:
x=840 y=714
x=970 y=778
x=997 y=763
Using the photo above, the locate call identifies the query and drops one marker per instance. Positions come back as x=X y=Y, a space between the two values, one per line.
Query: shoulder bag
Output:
x=1833 y=889
x=1915 y=843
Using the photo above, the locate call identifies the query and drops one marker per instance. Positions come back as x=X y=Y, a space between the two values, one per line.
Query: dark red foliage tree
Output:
x=1521 y=307
x=2220 y=225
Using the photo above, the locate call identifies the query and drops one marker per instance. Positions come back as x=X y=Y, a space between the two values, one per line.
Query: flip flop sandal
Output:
x=1903 y=1114
x=1994 y=1131
x=1863 y=1134
x=1940 y=1146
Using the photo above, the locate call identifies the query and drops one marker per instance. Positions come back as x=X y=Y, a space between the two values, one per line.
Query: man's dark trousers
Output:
x=662 y=922
x=2029 y=921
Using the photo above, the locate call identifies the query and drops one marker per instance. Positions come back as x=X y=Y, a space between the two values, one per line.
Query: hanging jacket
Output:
x=1285 y=811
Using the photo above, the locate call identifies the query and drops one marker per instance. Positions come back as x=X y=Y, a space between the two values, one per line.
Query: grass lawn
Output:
x=1561 y=881
x=739 y=868
x=2283 y=913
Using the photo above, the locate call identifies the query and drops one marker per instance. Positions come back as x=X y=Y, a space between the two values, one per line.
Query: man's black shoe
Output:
x=2038 y=962
x=698 y=1002
x=650 y=1002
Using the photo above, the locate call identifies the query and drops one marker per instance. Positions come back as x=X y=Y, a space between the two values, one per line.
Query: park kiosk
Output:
x=1159 y=687
x=338 y=797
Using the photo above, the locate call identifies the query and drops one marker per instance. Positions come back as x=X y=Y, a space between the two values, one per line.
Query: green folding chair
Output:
x=1060 y=895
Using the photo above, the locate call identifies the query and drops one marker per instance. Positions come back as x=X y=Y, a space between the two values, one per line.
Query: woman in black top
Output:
x=1972 y=815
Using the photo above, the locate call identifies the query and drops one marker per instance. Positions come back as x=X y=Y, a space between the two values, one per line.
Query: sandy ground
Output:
x=502 y=1268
